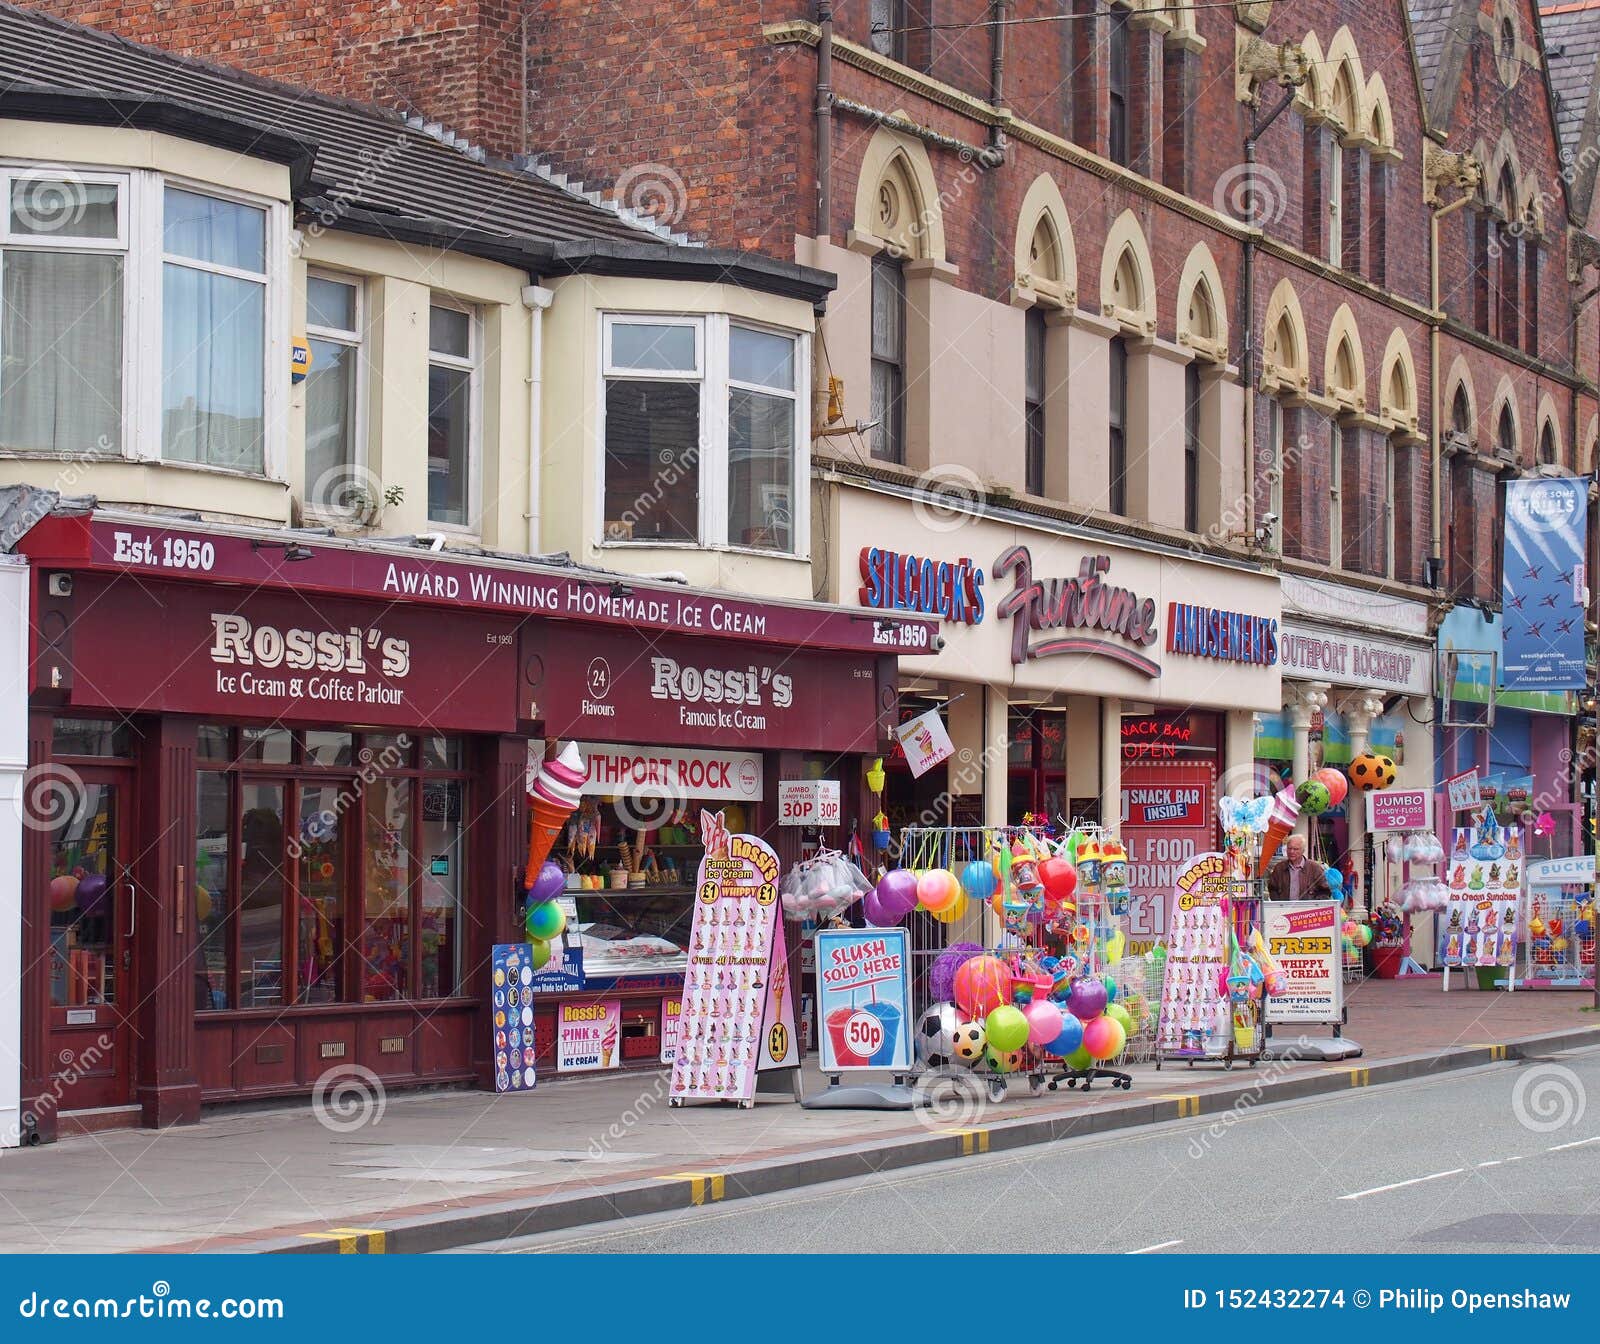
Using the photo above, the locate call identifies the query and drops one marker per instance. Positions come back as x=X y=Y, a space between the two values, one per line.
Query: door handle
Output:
x=133 y=910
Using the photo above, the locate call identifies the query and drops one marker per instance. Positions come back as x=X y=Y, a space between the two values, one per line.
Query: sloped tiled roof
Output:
x=1572 y=53
x=365 y=156
x=1430 y=21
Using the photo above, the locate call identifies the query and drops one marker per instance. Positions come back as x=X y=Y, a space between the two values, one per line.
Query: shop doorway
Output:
x=94 y=928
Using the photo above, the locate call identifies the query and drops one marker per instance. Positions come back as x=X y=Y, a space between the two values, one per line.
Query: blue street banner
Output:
x=1545 y=583
x=864 y=987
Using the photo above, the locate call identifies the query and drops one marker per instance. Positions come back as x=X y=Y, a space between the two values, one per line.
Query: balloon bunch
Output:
x=1323 y=790
x=543 y=920
x=1355 y=936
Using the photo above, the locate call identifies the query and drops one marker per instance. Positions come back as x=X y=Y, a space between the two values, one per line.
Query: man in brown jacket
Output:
x=1295 y=877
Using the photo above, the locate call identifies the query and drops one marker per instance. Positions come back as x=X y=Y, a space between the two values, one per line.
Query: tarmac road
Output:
x=1501 y=1158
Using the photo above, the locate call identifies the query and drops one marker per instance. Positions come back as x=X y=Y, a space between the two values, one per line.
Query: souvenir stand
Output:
x=1558 y=921
x=1480 y=928
x=1035 y=1000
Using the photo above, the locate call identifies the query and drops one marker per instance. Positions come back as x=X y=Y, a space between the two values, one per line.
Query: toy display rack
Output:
x=1247 y=1035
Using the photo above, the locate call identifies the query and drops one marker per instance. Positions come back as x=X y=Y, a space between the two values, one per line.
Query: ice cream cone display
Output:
x=1281 y=818
x=555 y=797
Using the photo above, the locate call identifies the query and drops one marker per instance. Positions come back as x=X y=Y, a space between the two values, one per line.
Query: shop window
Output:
x=1191 y=447
x=1117 y=425
x=270 y=746
x=761 y=434
x=91 y=737
x=83 y=901
x=214 y=742
x=333 y=395
x=337 y=878
x=1034 y=401
x=63 y=259
x=888 y=357
x=1118 y=81
x=214 y=323
x=453 y=339
x=703 y=440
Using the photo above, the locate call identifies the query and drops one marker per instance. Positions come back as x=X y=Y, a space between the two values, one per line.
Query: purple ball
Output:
x=897 y=893
x=92 y=892
x=1086 y=1000
x=873 y=912
x=550 y=883
x=942 y=974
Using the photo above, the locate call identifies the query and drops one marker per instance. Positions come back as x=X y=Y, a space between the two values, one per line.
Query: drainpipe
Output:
x=824 y=118
x=1436 y=434
x=1247 y=354
x=536 y=299
x=997 y=68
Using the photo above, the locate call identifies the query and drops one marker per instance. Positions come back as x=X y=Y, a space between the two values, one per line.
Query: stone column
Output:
x=1111 y=762
x=1155 y=430
x=1359 y=709
x=1303 y=700
x=1081 y=364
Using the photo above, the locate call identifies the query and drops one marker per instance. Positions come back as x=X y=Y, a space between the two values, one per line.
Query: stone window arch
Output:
x=1045 y=255
x=1202 y=322
x=1548 y=447
x=1127 y=277
x=897 y=199
x=1284 y=358
x=1397 y=394
x=1344 y=371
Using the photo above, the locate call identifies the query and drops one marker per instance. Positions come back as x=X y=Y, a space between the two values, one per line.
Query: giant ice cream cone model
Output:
x=1280 y=821
x=555 y=797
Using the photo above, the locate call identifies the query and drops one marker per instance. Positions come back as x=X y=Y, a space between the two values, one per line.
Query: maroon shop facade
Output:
x=280 y=795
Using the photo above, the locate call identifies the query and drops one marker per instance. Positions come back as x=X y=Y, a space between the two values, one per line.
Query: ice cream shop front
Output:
x=277 y=806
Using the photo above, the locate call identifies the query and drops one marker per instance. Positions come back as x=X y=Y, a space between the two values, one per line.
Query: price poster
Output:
x=864 y=980
x=1192 y=1001
x=1484 y=875
x=586 y=1035
x=736 y=1016
x=1303 y=938
x=512 y=1016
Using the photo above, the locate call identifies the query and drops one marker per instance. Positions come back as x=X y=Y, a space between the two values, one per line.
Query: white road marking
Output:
x=1400 y=1185
x=1159 y=1246
x=1495 y=1163
x=1576 y=1143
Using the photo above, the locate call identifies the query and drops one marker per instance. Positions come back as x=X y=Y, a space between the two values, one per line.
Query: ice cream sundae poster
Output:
x=736 y=1018
x=1484 y=875
x=1197 y=954
x=511 y=1017
x=587 y=1036
x=863 y=977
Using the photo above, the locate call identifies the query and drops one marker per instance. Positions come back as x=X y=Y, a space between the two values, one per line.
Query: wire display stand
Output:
x=1558 y=925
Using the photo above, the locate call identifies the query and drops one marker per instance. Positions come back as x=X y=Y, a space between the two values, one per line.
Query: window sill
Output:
x=608 y=545
x=124 y=460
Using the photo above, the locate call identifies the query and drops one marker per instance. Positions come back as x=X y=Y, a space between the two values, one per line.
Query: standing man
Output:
x=1295 y=877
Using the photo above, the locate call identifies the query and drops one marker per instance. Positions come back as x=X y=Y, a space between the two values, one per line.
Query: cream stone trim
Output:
x=1591 y=434
x=1548 y=415
x=1200 y=272
x=1460 y=375
x=1380 y=118
x=1292 y=376
x=1342 y=330
x=900 y=163
x=1126 y=239
x=1043 y=204
x=1401 y=411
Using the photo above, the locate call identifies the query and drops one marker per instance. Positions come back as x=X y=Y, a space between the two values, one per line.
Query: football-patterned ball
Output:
x=1372 y=770
x=970 y=1039
x=936 y=1035
x=1002 y=1061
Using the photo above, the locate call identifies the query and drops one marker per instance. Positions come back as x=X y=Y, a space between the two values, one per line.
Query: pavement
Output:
x=421 y=1172
x=1498 y=1159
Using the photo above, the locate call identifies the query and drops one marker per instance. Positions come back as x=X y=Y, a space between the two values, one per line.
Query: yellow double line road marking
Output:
x=353 y=1240
x=1188 y=1102
x=704 y=1187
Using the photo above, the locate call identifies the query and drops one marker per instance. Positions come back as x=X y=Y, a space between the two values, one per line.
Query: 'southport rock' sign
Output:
x=273 y=655
x=1086 y=603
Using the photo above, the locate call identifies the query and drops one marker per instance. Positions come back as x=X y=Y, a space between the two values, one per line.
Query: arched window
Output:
x=1505 y=433
x=1547 y=445
x=1461 y=413
x=1126 y=289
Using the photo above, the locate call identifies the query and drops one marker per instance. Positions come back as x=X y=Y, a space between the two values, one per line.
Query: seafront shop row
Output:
x=298 y=822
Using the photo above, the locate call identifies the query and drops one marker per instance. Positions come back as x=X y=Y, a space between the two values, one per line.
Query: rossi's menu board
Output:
x=1484 y=875
x=736 y=1018
x=1197 y=952
x=513 y=1017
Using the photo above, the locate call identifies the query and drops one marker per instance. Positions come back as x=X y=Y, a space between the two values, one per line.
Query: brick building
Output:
x=1263 y=285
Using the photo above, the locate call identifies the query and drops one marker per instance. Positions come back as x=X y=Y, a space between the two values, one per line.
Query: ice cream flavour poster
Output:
x=587 y=1034
x=1484 y=875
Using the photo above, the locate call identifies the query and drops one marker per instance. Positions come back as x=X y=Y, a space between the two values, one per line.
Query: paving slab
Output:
x=434 y=1170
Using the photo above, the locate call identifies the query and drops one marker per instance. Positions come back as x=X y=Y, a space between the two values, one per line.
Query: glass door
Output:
x=94 y=925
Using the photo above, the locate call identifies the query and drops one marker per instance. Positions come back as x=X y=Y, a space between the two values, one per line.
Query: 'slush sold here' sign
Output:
x=864 y=992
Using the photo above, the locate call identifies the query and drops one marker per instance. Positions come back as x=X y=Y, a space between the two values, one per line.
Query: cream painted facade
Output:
x=1094 y=682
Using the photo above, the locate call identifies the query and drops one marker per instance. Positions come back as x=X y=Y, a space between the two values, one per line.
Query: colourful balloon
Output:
x=550 y=883
x=872 y=909
x=1069 y=1039
x=1111 y=988
x=1313 y=797
x=1332 y=778
x=1006 y=1028
x=92 y=892
x=1044 y=1021
x=978 y=879
x=1060 y=878
x=952 y=912
x=982 y=985
x=541 y=953
x=938 y=889
x=545 y=921
x=1104 y=1038
x=1086 y=1000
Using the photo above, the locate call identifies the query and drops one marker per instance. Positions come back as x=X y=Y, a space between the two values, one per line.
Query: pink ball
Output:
x=1044 y=1022
x=1104 y=1038
x=938 y=889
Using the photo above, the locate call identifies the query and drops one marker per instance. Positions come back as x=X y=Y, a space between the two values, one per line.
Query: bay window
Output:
x=333 y=393
x=452 y=413
x=213 y=331
x=702 y=440
x=183 y=374
x=63 y=258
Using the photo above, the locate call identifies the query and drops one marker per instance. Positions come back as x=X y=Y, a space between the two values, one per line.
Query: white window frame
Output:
x=10 y=170
x=1336 y=204
x=275 y=313
x=353 y=339
x=473 y=365
x=712 y=345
